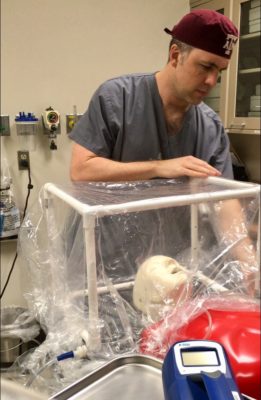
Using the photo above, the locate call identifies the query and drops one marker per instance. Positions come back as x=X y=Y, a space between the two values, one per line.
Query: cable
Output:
x=79 y=353
x=29 y=187
x=35 y=375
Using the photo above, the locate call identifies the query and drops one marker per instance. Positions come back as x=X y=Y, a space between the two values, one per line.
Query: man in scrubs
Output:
x=156 y=125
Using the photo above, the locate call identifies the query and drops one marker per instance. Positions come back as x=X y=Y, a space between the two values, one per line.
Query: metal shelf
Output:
x=252 y=35
x=9 y=239
x=250 y=71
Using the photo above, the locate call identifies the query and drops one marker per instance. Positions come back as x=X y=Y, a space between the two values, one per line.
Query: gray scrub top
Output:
x=125 y=122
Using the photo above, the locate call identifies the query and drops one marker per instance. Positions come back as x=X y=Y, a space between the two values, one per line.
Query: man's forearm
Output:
x=96 y=168
x=233 y=229
x=103 y=169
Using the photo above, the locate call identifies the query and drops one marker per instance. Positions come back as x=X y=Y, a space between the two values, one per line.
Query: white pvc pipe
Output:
x=258 y=249
x=91 y=272
x=67 y=198
x=170 y=201
x=229 y=182
x=117 y=286
x=258 y=236
x=210 y=282
x=194 y=232
x=150 y=204
x=129 y=285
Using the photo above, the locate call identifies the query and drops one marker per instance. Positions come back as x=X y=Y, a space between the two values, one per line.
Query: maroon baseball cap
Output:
x=207 y=30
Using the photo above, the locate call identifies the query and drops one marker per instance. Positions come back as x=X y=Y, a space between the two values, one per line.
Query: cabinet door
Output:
x=216 y=97
x=244 y=85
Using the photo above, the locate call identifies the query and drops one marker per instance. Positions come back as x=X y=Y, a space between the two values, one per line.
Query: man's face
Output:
x=196 y=73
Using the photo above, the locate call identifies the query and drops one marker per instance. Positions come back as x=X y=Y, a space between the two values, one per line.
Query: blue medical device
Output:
x=198 y=370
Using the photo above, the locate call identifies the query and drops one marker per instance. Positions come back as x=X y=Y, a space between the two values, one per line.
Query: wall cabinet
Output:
x=237 y=95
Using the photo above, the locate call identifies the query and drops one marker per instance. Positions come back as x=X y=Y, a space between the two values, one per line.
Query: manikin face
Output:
x=195 y=73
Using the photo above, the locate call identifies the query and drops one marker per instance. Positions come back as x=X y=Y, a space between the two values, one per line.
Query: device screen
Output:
x=199 y=358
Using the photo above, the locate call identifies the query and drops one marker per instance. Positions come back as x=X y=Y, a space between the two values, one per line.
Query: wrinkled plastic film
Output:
x=10 y=218
x=18 y=323
x=145 y=267
x=158 y=337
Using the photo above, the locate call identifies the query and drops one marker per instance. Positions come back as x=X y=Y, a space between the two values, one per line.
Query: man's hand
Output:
x=185 y=166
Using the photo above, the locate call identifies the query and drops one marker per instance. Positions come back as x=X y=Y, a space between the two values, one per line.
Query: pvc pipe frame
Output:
x=90 y=213
x=243 y=190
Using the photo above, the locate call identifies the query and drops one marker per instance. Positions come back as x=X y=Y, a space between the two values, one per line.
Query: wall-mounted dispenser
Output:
x=51 y=123
x=4 y=125
x=26 y=128
x=72 y=119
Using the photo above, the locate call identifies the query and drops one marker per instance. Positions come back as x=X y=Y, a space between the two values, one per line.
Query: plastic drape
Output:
x=9 y=213
x=144 y=262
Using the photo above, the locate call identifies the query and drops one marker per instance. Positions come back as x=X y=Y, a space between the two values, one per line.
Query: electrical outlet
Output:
x=23 y=159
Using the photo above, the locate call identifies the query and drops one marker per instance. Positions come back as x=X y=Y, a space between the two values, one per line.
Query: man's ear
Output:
x=174 y=53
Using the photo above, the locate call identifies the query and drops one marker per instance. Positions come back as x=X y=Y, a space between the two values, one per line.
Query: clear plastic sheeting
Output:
x=18 y=323
x=86 y=245
x=231 y=320
x=11 y=390
x=197 y=319
x=19 y=330
x=9 y=213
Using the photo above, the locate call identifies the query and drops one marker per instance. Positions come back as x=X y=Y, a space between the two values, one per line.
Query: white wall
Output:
x=55 y=53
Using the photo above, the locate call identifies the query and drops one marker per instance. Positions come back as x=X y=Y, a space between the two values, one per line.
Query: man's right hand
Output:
x=185 y=166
